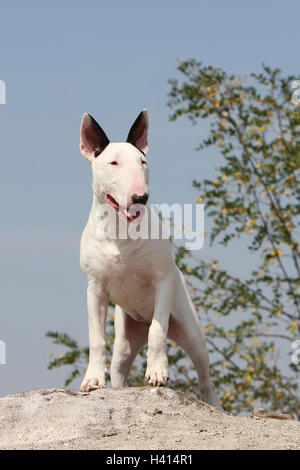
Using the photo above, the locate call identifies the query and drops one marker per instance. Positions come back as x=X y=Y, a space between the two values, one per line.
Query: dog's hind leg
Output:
x=130 y=337
x=185 y=330
x=188 y=335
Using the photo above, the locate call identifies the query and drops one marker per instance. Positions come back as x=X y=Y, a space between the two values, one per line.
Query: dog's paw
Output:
x=92 y=382
x=157 y=374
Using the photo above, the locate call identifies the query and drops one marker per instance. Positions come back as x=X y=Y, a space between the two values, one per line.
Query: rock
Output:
x=133 y=418
x=264 y=413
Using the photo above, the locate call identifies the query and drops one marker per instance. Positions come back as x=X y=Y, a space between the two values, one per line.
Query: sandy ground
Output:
x=133 y=418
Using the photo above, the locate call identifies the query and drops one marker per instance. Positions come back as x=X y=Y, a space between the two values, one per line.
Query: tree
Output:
x=255 y=197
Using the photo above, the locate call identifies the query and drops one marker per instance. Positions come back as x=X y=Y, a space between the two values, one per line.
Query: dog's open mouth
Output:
x=130 y=213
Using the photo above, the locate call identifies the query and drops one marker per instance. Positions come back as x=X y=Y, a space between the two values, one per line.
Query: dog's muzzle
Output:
x=129 y=212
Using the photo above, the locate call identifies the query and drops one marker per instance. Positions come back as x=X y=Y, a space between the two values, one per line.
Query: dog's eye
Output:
x=114 y=163
x=144 y=162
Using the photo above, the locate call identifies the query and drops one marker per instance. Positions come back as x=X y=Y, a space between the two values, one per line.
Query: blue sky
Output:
x=60 y=59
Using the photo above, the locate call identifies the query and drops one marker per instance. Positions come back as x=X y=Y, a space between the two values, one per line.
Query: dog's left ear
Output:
x=138 y=134
x=93 y=139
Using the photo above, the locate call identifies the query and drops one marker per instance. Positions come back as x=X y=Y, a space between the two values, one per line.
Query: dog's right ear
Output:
x=138 y=134
x=93 y=139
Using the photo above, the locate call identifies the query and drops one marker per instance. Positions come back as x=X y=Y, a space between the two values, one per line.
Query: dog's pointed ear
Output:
x=138 y=134
x=93 y=139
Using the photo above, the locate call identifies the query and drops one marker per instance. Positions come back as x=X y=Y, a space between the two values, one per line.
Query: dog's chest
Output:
x=134 y=294
x=129 y=286
x=125 y=274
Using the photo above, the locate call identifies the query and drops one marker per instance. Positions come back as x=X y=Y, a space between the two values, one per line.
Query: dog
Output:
x=139 y=276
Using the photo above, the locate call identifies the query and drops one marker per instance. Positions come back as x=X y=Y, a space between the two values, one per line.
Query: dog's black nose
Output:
x=140 y=199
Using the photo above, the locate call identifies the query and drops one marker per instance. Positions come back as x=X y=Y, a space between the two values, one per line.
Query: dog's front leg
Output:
x=157 y=361
x=97 y=303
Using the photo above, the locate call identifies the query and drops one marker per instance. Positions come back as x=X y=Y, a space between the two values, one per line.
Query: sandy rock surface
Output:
x=133 y=418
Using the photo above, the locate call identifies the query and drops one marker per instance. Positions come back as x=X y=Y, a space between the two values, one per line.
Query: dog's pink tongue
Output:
x=125 y=213
x=132 y=215
x=136 y=215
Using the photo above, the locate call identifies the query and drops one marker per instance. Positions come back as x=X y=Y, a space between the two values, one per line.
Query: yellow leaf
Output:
x=208 y=327
x=248 y=378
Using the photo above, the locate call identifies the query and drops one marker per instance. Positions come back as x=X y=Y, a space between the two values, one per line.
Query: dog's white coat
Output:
x=139 y=276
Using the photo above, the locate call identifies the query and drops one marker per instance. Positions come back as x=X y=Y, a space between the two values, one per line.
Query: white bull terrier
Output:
x=138 y=275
